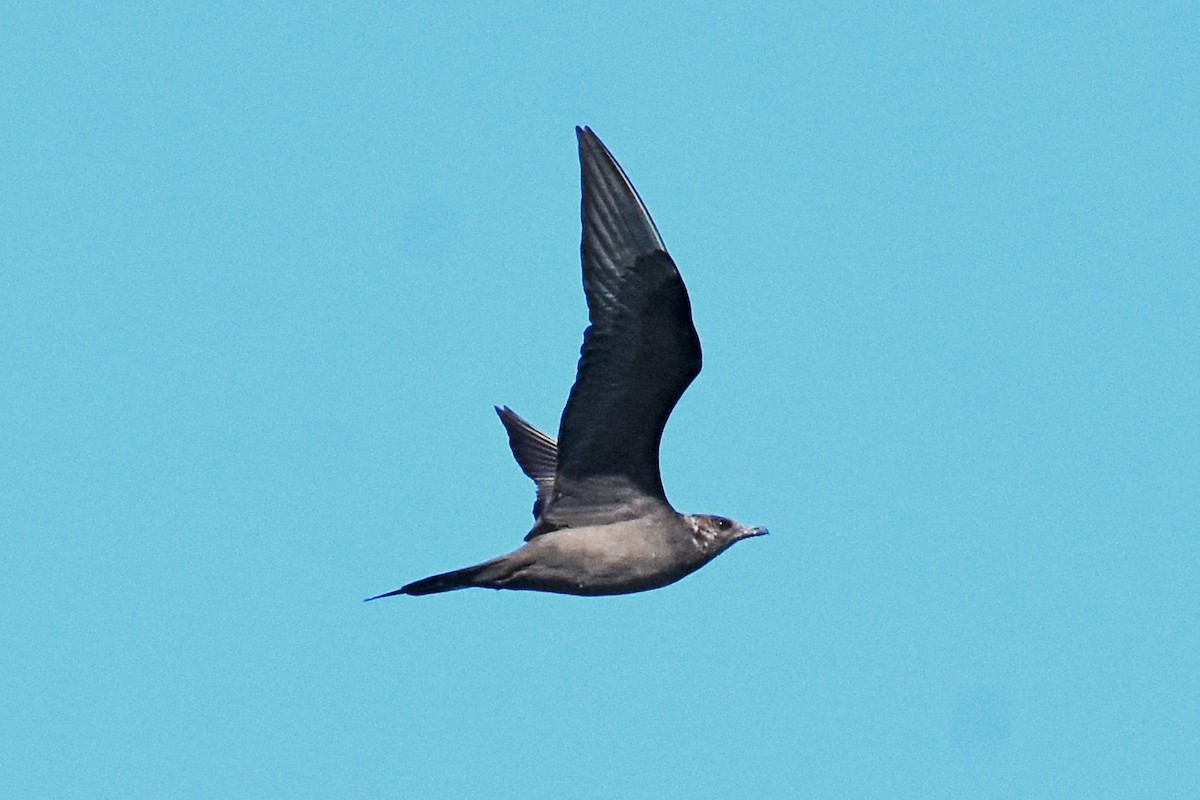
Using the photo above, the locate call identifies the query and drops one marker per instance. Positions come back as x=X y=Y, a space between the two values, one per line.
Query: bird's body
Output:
x=616 y=558
x=602 y=521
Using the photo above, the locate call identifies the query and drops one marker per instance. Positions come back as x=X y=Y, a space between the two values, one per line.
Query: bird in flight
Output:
x=602 y=521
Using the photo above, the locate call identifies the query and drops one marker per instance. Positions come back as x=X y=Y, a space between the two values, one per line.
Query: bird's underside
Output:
x=602 y=521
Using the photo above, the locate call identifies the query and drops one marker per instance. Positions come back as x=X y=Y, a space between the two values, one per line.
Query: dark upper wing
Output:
x=536 y=453
x=639 y=353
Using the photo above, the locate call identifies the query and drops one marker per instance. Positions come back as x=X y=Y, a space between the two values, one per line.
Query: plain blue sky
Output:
x=265 y=271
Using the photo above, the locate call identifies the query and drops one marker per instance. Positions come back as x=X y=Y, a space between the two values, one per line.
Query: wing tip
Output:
x=589 y=142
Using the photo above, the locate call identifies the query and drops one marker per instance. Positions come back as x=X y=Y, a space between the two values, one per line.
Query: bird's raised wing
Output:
x=639 y=354
x=536 y=453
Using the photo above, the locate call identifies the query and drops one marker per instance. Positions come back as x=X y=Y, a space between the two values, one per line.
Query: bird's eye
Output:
x=723 y=523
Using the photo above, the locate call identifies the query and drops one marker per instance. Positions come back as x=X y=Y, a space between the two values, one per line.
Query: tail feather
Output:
x=445 y=582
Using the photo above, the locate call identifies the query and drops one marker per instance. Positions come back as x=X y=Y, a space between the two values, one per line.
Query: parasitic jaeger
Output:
x=602 y=521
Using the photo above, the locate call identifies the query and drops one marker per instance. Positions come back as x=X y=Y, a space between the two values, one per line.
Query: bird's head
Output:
x=715 y=533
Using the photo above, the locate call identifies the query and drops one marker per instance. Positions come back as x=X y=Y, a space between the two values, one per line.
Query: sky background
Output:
x=264 y=272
